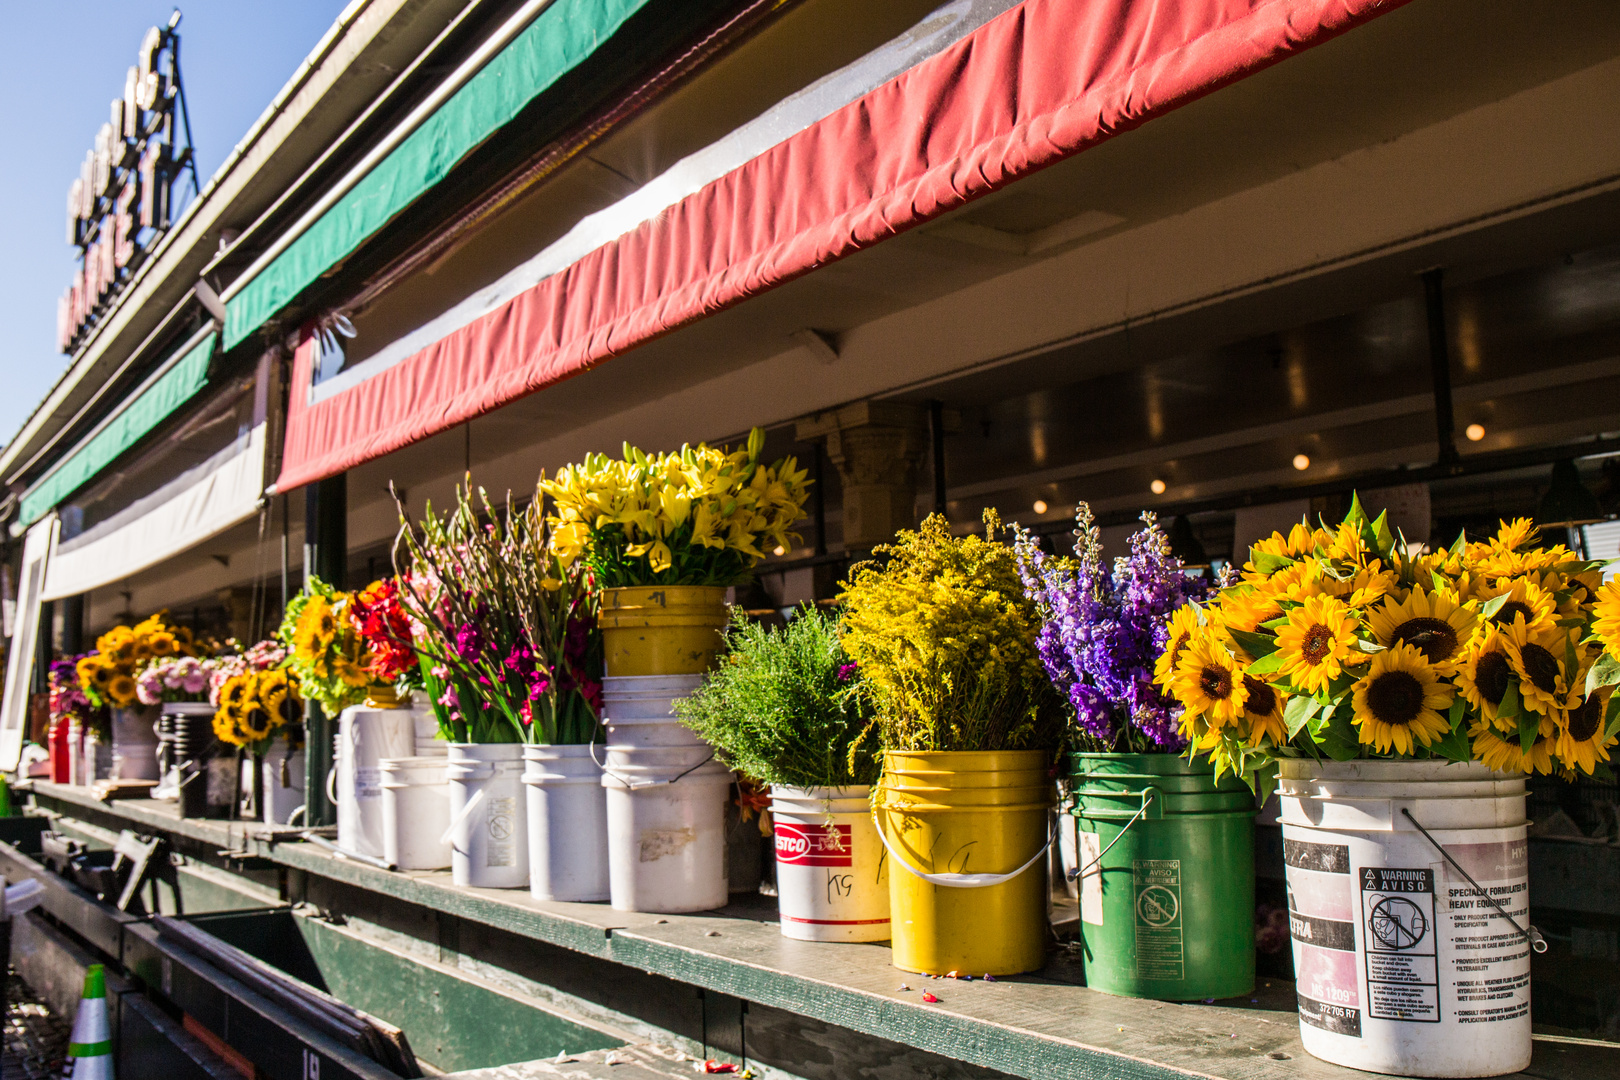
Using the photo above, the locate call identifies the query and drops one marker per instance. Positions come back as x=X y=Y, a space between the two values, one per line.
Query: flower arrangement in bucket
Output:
x=785 y=708
x=1136 y=798
x=324 y=653
x=69 y=705
x=108 y=675
x=945 y=636
x=258 y=707
x=664 y=535
x=505 y=635
x=1408 y=693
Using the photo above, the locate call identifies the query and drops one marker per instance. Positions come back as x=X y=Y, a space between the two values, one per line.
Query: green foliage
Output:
x=784 y=707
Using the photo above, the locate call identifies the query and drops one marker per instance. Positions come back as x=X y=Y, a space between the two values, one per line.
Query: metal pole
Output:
x=818 y=496
x=936 y=430
x=1440 y=366
x=326 y=514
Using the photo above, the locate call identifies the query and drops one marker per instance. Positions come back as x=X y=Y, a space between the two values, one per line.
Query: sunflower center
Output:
x=1215 y=682
x=1434 y=638
x=1585 y=718
x=1395 y=697
x=1317 y=644
x=1491 y=675
x=1541 y=666
x=1176 y=650
x=1504 y=615
x=1262 y=698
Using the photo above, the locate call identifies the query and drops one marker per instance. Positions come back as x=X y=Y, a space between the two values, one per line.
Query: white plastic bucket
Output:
x=416 y=812
x=366 y=735
x=488 y=826
x=1401 y=967
x=281 y=783
x=832 y=877
x=426 y=724
x=667 y=841
x=639 y=710
x=567 y=810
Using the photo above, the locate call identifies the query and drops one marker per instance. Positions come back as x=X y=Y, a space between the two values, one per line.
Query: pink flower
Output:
x=450 y=699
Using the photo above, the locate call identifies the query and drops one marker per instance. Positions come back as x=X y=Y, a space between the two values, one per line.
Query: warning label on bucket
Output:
x=1160 y=952
x=1402 y=966
x=1490 y=969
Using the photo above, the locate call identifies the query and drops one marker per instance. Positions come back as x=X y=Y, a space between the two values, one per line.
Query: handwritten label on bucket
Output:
x=1403 y=976
x=1160 y=949
x=1319 y=920
x=814 y=845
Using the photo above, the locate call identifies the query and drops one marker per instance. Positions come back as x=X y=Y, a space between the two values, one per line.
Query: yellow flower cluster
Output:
x=1339 y=642
x=324 y=652
x=701 y=513
x=944 y=636
x=254 y=704
x=107 y=675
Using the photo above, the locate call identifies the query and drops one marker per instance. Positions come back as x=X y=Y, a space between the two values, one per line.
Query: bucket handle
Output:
x=960 y=881
x=635 y=785
x=1531 y=936
x=466 y=811
x=1150 y=797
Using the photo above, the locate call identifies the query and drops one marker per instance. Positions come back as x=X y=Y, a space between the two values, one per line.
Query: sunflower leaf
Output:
x=1458 y=710
x=1459 y=545
x=1602 y=773
x=1275 y=624
x=1266 y=665
x=1298 y=713
x=1529 y=728
x=1439 y=581
x=1386 y=541
x=1570 y=622
x=1263 y=781
x=1256 y=645
x=1455 y=746
x=1268 y=562
x=1493 y=606
x=1571 y=662
x=1612 y=717
x=1509 y=707
x=1606 y=672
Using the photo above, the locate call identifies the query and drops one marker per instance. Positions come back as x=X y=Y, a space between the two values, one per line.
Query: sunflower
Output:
x=162 y=644
x=1294 y=582
x=1545 y=686
x=86 y=667
x=1507 y=755
x=272 y=689
x=1433 y=622
x=1515 y=534
x=1486 y=670
x=1180 y=629
x=1301 y=540
x=1581 y=741
x=103 y=676
x=256 y=722
x=122 y=690
x=1398 y=702
x=1527 y=602
x=1317 y=643
x=236 y=690
x=1209 y=683
x=1368 y=584
x=1246 y=608
x=1606 y=608
x=1263 y=712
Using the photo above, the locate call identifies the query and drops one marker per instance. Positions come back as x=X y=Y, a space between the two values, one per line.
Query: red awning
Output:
x=1043 y=81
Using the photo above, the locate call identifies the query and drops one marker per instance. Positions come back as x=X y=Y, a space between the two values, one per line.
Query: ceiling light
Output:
x=1040 y=506
x=1157 y=487
x=779 y=550
x=1301 y=462
x=1475 y=432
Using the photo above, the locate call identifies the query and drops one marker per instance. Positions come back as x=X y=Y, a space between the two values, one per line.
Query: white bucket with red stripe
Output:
x=832 y=876
x=1401 y=965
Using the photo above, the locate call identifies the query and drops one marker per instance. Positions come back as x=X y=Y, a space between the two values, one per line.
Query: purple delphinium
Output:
x=1100 y=633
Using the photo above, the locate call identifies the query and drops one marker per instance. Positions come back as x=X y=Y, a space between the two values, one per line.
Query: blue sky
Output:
x=66 y=63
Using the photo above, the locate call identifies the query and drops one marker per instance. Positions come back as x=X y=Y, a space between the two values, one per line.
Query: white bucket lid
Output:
x=625 y=687
x=413 y=771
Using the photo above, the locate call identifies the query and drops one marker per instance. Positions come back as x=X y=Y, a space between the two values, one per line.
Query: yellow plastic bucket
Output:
x=661 y=629
x=967 y=819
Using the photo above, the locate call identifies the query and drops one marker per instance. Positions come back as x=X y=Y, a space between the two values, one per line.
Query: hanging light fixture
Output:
x=1568 y=502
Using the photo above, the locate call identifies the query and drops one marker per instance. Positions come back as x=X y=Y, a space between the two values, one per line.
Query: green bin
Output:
x=1170 y=913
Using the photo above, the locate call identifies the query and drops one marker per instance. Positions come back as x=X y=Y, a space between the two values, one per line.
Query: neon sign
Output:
x=120 y=205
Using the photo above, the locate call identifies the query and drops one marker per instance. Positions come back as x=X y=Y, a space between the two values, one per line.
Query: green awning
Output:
x=558 y=40
x=140 y=415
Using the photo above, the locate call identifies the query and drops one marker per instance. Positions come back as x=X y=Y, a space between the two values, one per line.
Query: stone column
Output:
x=875 y=445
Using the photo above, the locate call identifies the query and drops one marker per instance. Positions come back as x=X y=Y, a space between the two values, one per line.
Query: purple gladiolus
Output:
x=1101 y=633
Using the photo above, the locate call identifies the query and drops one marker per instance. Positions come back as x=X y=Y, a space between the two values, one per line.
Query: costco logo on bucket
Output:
x=814 y=845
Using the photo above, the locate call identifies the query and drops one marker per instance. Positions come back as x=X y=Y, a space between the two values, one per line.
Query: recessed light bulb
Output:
x=1475 y=432
x=1040 y=506
x=1157 y=487
x=1301 y=462
x=779 y=550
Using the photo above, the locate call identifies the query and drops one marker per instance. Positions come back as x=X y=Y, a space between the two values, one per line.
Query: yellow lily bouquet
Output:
x=107 y=676
x=1340 y=643
x=702 y=516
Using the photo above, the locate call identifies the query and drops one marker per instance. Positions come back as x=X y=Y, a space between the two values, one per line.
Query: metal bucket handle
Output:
x=1532 y=936
x=635 y=785
x=1151 y=797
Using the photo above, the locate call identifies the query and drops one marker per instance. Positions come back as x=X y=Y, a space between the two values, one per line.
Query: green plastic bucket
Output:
x=1168 y=912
